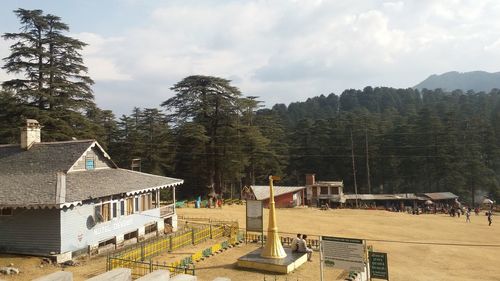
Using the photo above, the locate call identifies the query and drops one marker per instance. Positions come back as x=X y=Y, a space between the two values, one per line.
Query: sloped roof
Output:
x=28 y=178
x=400 y=196
x=104 y=182
x=44 y=157
x=261 y=192
x=441 y=195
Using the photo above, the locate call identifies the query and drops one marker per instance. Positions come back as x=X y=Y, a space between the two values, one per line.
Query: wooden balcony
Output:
x=167 y=210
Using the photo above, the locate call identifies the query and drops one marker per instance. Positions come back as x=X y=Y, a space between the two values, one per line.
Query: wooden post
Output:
x=354 y=171
x=320 y=260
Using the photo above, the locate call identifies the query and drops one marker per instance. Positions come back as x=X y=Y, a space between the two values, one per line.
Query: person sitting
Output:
x=295 y=243
x=304 y=249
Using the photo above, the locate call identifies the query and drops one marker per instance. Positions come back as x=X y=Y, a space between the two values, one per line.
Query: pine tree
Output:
x=50 y=63
x=210 y=102
x=51 y=76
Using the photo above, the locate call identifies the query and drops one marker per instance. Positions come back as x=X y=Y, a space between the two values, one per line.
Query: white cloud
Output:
x=285 y=51
x=394 y=6
x=99 y=58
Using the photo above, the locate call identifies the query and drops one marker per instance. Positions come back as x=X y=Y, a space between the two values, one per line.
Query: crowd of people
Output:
x=455 y=209
x=467 y=211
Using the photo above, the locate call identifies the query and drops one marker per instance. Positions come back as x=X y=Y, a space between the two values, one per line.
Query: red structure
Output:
x=284 y=196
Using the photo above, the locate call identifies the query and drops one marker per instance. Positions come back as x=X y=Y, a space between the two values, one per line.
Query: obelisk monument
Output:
x=273 y=248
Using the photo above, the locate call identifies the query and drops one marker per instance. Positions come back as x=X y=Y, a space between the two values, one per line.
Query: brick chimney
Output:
x=30 y=134
x=310 y=180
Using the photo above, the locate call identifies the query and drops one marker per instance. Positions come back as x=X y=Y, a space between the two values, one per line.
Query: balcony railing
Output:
x=167 y=210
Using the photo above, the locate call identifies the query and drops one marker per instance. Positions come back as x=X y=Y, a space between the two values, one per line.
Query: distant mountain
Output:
x=474 y=80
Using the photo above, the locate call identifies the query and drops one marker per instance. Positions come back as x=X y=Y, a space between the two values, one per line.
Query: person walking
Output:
x=490 y=219
x=467 y=216
x=304 y=249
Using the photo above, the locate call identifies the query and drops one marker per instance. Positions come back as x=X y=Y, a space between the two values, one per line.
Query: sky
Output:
x=281 y=51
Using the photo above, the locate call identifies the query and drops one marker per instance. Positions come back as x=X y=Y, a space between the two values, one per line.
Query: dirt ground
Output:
x=439 y=257
x=407 y=261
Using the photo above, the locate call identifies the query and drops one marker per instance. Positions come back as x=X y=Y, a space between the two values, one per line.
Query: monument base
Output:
x=292 y=261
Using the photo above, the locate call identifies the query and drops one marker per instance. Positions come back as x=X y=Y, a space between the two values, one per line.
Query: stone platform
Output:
x=253 y=260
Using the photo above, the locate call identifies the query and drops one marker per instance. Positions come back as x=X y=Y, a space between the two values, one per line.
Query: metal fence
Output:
x=202 y=235
x=141 y=268
x=135 y=257
x=217 y=231
x=286 y=239
x=180 y=241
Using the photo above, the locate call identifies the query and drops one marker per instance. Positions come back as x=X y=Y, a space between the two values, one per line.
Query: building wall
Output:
x=334 y=193
x=30 y=232
x=285 y=200
x=99 y=160
x=77 y=235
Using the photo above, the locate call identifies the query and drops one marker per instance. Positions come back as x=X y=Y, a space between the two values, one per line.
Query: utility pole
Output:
x=354 y=171
x=367 y=163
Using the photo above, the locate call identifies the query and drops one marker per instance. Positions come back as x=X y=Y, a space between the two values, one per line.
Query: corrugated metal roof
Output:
x=441 y=195
x=261 y=192
x=400 y=196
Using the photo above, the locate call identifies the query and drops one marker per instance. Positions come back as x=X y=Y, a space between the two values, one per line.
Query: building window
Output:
x=150 y=228
x=98 y=214
x=130 y=206
x=6 y=212
x=130 y=235
x=89 y=164
x=155 y=199
x=107 y=242
x=146 y=202
x=324 y=190
x=136 y=205
x=102 y=212
x=122 y=208
x=115 y=209
x=106 y=211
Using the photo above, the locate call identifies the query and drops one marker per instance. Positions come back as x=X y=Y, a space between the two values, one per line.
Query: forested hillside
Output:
x=404 y=140
x=218 y=140
x=478 y=81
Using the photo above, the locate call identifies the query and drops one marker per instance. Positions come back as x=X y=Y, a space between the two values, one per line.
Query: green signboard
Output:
x=378 y=265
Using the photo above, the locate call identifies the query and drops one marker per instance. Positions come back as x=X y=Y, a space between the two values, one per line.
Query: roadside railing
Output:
x=167 y=210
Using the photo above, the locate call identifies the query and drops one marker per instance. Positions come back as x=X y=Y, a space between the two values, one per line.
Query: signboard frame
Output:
x=378 y=271
x=349 y=252
x=255 y=223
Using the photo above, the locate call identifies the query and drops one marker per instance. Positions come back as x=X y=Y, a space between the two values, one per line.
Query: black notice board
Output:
x=378 y=265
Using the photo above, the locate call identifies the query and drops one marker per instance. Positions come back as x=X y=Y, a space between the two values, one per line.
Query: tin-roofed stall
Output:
x=284 y=196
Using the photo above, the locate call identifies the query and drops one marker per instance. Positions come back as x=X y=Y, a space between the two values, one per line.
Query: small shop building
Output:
x=284 y=196
x=320 y=193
